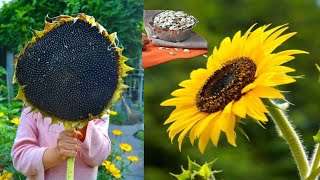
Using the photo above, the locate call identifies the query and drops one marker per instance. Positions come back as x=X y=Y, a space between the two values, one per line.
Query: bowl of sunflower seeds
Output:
x=173 y=26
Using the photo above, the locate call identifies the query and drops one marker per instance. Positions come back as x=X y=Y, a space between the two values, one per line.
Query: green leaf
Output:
x=317 y=137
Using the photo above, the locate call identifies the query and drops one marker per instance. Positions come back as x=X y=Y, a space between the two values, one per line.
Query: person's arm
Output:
x=32 y=160
x=96 y=146
x=26 y=153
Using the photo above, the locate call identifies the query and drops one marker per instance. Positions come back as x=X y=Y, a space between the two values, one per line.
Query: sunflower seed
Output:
x=171 y=53
x=186 y=50
x=167 y=48
x=174 y=20
x=177 y=49
x=155 y=36
x=205 y=55
x=161 y=48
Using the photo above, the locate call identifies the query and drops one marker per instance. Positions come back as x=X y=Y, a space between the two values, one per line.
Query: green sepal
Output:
x=317 y=137
x=318 y=67
x=185 y=175
x=241 y=130
x=205 y=172
x=193 y=166
x=197 y=172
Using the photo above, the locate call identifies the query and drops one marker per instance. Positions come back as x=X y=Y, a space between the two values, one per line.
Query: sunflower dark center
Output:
x=69 y=73
x=225 y=85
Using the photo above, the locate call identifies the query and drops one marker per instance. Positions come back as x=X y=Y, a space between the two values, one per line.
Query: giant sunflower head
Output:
x=239 y=73
x=71 y=71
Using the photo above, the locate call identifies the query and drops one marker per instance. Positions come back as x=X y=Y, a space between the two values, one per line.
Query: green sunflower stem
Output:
x=314 y=174
x=315 y=166
x=70 y=160
x=70 y=168
x=290 y=135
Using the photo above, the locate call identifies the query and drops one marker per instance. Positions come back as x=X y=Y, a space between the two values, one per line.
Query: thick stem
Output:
x=70 y=160
x=315 y=166
x=314 y=174
x=289 y=134
x=70 y=168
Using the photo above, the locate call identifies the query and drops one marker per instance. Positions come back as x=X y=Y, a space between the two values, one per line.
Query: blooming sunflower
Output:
x=240 y=72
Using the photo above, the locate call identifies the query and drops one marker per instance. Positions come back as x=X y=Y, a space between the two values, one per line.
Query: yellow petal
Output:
x=227 y=119
x=193 y=133
x=231 y=136
x=267 y=92
x=215 y=135
x=204 y=122
x=279 y=41
x=176 y=129
x=269 y=32
x=178 y=101
x=199 y=74
x=253 y=111
x=278 y=69
x=182 y=135
x=236 y=37
x=279 y=80
x=240 y=108
x=248 y=88
x=203 y=141
x=194 y=84
x=256 y=101
x=184 y=92
x=185 y=120
x=178 y=112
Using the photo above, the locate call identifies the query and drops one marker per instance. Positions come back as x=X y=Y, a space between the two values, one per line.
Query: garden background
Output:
x=265 y=156
x=17 y=20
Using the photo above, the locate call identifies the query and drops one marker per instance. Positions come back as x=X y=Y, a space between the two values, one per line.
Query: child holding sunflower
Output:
x=40 y=150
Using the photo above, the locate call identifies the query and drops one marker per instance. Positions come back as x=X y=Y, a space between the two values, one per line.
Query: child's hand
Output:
x=67 y=144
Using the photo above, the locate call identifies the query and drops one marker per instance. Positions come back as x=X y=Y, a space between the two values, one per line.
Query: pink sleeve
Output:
x=96 y=146
x=26 y=153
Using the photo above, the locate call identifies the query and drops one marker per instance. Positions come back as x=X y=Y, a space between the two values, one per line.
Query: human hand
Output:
x=67 y=144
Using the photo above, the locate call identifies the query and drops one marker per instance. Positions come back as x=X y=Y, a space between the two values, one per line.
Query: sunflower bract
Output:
x=242 y=71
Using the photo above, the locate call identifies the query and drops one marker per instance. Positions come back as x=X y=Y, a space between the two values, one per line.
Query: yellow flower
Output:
x=1 y=114
x=112 y=113
x=106 y=163
x=6 y=175
x=117 y=132
x=117 y=176
x=118 y=158
x=15 y=121
x=116 y=171
x=240 y=72
x=126 y=147
x=133 y=158
x=112 y=168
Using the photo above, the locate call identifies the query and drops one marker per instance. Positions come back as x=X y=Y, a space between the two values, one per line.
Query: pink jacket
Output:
x=34 y=135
